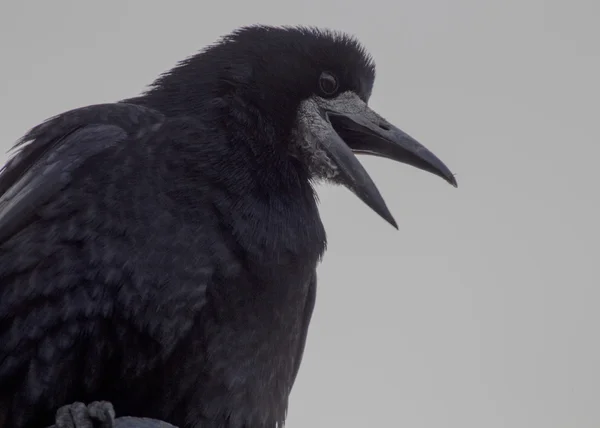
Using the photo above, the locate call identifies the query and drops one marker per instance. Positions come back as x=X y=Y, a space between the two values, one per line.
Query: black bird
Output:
x=159 y=252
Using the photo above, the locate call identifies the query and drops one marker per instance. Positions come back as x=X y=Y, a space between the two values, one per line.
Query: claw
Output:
x=102 y=412
x=98 y=414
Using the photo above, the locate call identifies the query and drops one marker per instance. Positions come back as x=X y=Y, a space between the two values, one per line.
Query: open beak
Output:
x=360 y=130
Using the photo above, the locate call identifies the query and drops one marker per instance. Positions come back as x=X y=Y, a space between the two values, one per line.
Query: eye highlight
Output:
x=328 y=84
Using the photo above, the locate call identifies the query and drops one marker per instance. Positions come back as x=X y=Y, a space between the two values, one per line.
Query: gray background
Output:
x=482 y=310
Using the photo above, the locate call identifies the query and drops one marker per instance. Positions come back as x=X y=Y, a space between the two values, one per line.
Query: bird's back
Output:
x=97 y=281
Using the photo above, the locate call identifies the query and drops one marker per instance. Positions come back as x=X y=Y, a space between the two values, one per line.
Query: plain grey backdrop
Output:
x=482 y=310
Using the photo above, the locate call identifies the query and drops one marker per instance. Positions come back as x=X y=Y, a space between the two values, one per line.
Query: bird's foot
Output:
x=98 y=414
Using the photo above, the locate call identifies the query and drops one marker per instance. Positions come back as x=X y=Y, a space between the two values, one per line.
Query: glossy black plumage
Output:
x=125 y=253
x=160 y=252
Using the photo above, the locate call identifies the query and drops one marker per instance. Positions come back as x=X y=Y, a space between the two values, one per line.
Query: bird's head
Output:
x=312 y=86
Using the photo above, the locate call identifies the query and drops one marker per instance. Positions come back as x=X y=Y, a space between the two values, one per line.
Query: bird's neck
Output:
x=270 y=202
x=280 y=199
x=248 y=130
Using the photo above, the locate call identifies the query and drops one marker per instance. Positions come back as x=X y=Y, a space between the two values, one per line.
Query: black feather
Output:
x=160 y=252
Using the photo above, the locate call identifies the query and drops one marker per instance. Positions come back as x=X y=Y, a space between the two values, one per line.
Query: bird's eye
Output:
x=328 y=83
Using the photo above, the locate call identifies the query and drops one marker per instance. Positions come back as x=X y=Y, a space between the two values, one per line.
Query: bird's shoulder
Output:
x=131 y=119
x=50 y=154
x=90 y=190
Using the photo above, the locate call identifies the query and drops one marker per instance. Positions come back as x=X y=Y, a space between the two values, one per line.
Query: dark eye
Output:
x=328 y=83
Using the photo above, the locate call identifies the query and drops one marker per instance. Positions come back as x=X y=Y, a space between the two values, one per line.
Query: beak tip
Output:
x=452 y=181
x=385 y=213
